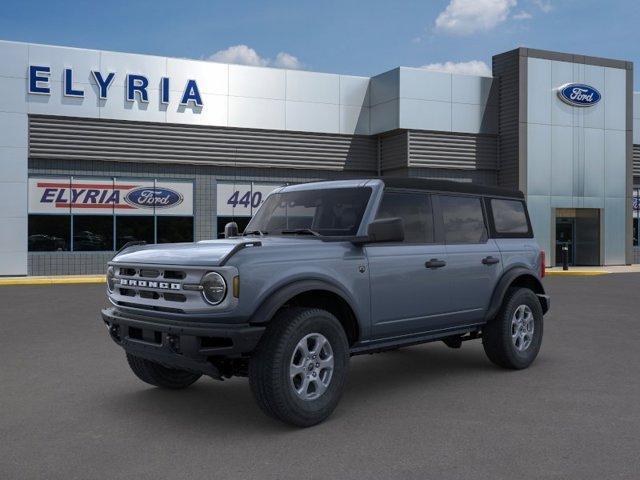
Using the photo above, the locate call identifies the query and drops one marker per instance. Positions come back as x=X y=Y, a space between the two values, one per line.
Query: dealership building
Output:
x=101 y=148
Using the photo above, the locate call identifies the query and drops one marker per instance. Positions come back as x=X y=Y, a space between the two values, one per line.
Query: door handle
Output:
x=490 y=260
x=435 y=263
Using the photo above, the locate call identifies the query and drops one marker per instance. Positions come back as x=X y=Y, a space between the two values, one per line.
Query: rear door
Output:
x=408 y=288
x=474 y=264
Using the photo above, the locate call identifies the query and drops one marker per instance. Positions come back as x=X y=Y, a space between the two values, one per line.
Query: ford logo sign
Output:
x=578 y=94
x=149 y=197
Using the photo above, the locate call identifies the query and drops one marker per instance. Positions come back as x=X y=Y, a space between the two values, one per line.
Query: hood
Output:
x=204 y=253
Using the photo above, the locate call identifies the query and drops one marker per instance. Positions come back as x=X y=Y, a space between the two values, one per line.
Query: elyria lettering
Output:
x=136 y=86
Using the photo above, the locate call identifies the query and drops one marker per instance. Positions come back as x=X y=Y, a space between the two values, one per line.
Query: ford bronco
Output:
x=325 y=271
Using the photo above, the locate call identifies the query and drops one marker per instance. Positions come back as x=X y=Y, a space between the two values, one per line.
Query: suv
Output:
x=328 y=270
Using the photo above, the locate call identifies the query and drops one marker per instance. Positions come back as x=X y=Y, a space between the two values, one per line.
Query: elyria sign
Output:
x=578 y=94
x=136 y=86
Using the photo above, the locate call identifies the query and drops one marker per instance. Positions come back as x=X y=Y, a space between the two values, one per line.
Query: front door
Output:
x=408 y=288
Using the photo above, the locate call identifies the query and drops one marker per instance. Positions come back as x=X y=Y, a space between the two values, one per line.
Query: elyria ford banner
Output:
x=104 y=196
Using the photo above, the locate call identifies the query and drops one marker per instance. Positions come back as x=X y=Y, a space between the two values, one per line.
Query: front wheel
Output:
x=513 y=338
x=298 y=372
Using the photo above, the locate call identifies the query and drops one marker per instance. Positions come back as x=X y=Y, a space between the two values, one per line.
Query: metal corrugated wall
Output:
x=452 y=150
x=393 y=151
x=506 y=71
x=115 y=140
x=636 y=160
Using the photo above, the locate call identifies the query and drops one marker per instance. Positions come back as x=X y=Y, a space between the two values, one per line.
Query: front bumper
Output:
x=188 y=346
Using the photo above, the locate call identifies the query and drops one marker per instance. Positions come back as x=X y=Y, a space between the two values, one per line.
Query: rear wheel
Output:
x=298 y=371
x=513 y=338
x=160 y=376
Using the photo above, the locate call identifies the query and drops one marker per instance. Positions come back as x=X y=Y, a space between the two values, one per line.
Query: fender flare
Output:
x=503 y=285
x=276 y=299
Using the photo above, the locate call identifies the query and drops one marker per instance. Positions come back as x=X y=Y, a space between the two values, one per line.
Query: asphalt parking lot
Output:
x=70 y=407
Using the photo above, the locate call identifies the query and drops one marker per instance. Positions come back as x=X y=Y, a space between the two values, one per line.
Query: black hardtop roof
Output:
x=447 y=186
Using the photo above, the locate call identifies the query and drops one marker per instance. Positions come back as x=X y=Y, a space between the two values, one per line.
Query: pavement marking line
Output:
x=53 y=280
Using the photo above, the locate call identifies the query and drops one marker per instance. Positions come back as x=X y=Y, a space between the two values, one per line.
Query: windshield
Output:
x=325 y=212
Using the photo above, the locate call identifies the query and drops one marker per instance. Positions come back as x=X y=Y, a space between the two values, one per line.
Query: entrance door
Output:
x=579 y=230
x=564 y=238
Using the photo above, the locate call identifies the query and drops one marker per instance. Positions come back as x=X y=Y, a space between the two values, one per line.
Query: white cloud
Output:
x=241 y=54
x=522 y=15
x=286 y=60
x=245 y=55
x=545 y=6
x=464 y=17
x=472 y=67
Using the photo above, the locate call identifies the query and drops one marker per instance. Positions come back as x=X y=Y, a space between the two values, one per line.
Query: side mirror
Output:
x=386 y=230
x=231 y=230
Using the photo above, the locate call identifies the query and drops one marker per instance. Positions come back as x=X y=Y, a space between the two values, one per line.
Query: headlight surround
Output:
x=111 y=280
x=214 y=288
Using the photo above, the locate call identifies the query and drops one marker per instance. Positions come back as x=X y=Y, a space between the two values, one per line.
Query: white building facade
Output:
x=100 y=148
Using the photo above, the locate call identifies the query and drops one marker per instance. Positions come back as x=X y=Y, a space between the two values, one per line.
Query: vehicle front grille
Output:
x=157 y=288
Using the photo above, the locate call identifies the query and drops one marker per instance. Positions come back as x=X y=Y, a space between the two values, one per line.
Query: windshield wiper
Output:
x=254 y=232
x=301 y=231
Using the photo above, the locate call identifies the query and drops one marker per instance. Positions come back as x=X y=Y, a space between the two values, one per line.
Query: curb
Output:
x=576 y=273
x=57 y=280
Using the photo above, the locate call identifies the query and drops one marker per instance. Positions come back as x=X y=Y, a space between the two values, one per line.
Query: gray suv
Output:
x=325 y=271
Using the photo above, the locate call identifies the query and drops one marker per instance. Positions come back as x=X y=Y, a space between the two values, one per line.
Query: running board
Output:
x=389 y=344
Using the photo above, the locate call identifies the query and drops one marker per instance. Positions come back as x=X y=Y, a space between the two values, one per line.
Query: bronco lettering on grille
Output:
x=146 y=283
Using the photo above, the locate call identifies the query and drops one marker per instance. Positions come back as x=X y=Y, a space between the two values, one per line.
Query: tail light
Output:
x=543 y=268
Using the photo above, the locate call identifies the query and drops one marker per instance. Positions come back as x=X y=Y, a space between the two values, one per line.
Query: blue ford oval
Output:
x=149 y=197
x=579 y=94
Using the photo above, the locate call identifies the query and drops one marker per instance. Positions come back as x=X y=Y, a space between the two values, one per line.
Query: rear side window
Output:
x=509 y=217
x=462 y=219
x=415 y=211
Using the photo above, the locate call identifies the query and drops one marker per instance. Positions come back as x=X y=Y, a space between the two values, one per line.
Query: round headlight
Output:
x=111 y=281
x=214 y=288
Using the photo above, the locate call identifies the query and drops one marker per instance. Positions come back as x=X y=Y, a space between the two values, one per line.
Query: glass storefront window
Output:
x=49 y=233
x=134 y=229
x=92 y=233
x=175 y=229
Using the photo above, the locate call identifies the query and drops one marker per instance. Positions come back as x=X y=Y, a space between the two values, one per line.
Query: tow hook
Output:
x=114 y=331
x=173 y=342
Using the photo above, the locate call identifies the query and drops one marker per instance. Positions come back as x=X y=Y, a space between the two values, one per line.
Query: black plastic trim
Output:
x=244 y=337
x=503 y=285
x=444 y=186
x=415 y=339
x=277 y=299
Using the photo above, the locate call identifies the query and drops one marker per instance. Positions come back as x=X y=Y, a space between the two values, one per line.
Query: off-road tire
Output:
x=496 y=335
x=269 y=366
x=160 y=376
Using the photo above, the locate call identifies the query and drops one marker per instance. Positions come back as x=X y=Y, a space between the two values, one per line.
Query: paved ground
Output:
x=70 y=408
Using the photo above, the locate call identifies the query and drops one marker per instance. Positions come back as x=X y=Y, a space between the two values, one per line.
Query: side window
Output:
x=462 y=219
x=509 y=216
x=414 y=209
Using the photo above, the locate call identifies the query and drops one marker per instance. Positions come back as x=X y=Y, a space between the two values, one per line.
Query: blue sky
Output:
x=362 y=38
